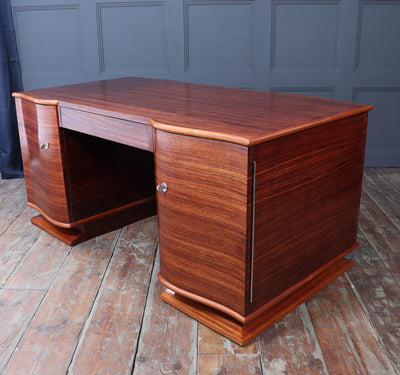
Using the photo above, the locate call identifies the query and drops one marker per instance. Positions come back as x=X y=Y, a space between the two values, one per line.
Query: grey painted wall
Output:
x=340 y=49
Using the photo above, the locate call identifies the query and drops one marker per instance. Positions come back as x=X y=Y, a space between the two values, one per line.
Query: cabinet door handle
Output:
x=162 y=187
x=44 y=146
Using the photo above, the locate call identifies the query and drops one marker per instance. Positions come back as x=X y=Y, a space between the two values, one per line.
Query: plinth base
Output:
x=244 y=333
x=99 y=224
x=70 y=236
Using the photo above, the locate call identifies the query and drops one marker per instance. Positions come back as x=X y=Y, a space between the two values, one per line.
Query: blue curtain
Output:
x=10 y=81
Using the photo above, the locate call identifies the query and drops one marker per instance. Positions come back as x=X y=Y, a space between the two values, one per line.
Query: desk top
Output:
x=239 y=116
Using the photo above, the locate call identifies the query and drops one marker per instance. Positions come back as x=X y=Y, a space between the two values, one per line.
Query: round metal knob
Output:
x=44 y=146
x=162 y=187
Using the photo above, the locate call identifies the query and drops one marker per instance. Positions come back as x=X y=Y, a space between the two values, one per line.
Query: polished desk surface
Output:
x=241 y=116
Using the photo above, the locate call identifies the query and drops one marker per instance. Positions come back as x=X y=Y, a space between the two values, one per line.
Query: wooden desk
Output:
x=257 y=193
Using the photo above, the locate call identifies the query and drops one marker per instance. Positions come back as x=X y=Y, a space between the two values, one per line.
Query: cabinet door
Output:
x=43 y=160
x=203 y=218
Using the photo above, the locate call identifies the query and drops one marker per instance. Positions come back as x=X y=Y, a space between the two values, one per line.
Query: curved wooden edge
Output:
x=70 y=236
x=309 y=125
x=202 y=300
x=22 y=95
x=242 y=334
x=226 y=137
x=199 y=133
x=48 y=218
x=94 y=217
x=244 y=141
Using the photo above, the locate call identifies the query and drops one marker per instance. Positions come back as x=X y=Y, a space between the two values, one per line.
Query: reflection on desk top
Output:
x=239 y=116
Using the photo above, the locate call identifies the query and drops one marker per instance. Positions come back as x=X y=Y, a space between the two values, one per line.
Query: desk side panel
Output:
x=307 y=202
x=203 y=218
x=43 y=165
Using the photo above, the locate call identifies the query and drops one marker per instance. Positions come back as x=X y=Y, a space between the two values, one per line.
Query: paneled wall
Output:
x=340 y=49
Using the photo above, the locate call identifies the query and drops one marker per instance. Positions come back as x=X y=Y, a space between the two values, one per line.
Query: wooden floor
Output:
x=95 y=308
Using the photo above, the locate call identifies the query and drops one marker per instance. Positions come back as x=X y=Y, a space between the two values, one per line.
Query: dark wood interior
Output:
x=103 y=174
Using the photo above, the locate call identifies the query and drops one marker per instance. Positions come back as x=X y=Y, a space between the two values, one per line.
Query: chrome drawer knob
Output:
x=162 y=187
x=44 y=146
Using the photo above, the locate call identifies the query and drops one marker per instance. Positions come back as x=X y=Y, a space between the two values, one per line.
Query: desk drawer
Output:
x=113 y=129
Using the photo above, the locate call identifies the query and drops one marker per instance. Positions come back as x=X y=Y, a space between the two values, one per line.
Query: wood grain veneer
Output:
x=130 y=133
x=203 y=217
x=305 y=220
x=44 y=169
x=262 y=196
x=240 y=116
x=80 y=184
x=307 y=200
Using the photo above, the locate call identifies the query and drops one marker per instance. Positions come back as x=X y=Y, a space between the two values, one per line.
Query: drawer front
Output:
x=42 y=158
x=113 y=129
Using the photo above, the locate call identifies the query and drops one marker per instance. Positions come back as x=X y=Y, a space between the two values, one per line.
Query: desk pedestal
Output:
x=249 y=233
x=83 y=186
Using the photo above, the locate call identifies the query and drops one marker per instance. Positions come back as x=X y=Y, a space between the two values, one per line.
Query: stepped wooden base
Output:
x=244 y=333
x=98 y=225
x=69 y=236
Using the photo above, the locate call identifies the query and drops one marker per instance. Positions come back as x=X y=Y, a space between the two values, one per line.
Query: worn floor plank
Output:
x=12 y=202
x=168 y=340
x=10 y=186
x=291 y=346
x=218 y=355
x=51 y=338
x=109 y=341
x=96 y=308
x=391 y=175
x=16 y=310
x=217 y=364
x=349 y=343
x=39 y=267
x=384 y=194
x=381 y=233
x=16 y=243
x=380 y=295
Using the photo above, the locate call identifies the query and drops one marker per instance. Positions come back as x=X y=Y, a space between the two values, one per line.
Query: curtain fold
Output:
x=10 y=81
